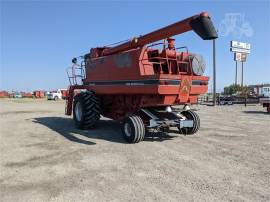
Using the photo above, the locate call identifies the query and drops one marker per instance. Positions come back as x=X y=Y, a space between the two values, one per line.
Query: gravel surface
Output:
x=45 y=158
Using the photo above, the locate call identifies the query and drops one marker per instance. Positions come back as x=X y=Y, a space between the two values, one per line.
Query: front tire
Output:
x=86 y=110
x=191 y=115
x=133 y=129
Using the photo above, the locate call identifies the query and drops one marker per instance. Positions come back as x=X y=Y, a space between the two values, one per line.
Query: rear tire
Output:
x=86 y=110
x=133 y=129
x=190 y=115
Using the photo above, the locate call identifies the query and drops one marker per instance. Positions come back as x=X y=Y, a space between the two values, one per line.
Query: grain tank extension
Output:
x=138 y=82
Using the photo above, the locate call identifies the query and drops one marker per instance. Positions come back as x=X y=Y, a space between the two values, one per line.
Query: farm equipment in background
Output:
x=39 y=94
x=64 y=93
x=138 y=83
x=4 y=94
x=27 y=95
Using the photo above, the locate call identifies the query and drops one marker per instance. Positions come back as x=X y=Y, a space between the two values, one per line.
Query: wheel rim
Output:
x=127 y=129
x=78 y=111
x=189 y=116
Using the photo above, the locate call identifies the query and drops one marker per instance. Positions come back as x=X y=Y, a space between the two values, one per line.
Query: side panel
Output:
x=126 y=82
x=114 y=67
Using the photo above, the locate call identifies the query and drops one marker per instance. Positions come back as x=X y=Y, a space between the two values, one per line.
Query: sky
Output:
x=39 y=38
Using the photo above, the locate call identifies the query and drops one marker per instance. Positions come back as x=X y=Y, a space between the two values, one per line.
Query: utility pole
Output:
x=242 y=80
x=214 y=73
x=235 y=72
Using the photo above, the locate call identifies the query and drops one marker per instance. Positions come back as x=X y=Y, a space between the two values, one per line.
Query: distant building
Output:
x=261 y=90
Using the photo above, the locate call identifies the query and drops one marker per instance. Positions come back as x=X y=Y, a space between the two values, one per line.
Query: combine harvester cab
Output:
x=138 y=83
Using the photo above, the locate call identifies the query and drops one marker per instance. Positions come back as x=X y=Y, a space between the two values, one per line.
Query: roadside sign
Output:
x=237 y=56
x=242 y=45
x=240 y=50
x=241 y=57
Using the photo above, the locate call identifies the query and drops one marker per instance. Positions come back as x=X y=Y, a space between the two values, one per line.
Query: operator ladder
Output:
x=76 y=74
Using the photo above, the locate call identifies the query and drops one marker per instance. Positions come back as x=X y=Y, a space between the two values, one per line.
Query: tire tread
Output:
x=91 y=108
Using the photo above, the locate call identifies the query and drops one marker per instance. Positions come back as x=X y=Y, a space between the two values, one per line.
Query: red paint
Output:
x=4 y=94
x=64 y=93
x=27 y=95
x=39 y=94
x=135 y=63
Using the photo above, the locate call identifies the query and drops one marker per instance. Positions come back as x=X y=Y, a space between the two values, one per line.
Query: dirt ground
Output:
x=45 y=158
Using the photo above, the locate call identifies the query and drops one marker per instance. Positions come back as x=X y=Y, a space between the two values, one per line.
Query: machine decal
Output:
x=185 y=87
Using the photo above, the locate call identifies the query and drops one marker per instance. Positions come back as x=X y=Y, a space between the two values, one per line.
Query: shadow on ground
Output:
x=256 y=112
x=105 y=129
x=158 y=136
x=108 y=130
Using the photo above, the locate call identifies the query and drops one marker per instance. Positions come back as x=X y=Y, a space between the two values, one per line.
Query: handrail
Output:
x=72 y=73
x=182 y=47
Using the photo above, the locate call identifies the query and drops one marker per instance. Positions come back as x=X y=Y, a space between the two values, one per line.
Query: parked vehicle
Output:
x=56 y=95
x=226 y=100
x=17 y=95
x=265 y=102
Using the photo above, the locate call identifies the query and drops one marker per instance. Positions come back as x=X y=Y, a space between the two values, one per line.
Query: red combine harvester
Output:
x=138 y=84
